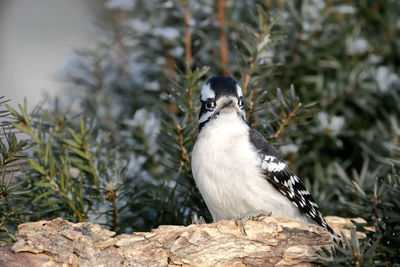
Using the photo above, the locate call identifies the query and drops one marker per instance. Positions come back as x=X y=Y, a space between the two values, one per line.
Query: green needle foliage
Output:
x=12 y=188
x=320 y=80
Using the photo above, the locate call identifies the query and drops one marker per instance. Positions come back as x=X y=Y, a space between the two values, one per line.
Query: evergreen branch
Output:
x=286 y=121
x=261 y=45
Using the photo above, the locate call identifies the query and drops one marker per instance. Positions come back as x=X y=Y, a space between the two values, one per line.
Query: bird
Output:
x=239 y=174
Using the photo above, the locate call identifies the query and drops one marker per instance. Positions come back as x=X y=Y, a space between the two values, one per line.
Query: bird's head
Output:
x=220 y=95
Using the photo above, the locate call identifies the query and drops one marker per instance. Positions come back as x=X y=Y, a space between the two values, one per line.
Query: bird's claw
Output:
x=254 y=216
x=198 y=220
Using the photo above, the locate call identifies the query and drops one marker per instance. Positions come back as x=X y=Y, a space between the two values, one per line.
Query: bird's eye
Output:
x=210 y=104
x=240 y=102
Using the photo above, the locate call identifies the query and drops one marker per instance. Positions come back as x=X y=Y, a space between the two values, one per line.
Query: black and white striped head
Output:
x=220 y=95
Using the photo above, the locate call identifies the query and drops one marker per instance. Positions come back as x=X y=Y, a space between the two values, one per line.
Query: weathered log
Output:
x=270 y=241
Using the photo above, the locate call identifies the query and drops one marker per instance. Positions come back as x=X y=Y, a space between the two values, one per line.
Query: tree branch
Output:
x=269 y=241
x=222 y=37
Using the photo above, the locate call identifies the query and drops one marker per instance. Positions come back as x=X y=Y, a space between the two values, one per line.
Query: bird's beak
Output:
x=227 y=104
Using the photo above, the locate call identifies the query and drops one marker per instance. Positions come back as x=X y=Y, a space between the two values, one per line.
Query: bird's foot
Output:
x=253 y=215
x=198 y=220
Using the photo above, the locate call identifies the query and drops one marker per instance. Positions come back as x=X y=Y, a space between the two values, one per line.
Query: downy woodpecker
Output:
x=238 y=172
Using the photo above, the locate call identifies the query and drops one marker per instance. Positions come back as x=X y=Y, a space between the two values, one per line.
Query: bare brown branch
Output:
x=188 y=34
x=222 y=36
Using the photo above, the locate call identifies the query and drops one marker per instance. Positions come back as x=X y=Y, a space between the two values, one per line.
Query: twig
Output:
x=189 y=92
x=184 y=153
x=251 y=105
x=188 y=36
x=286 y=120
x=222 y=36
x=247 y=77
x=112 y=197
x=7 y=160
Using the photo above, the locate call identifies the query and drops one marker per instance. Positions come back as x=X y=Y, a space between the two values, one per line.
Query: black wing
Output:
x=285 y=181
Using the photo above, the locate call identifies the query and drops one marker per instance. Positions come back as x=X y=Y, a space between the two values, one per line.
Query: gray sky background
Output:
x=34 y=38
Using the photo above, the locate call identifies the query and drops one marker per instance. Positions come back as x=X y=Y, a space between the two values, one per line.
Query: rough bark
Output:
x=270 y=241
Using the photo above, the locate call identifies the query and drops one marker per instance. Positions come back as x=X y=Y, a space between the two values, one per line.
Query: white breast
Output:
x=227 y=171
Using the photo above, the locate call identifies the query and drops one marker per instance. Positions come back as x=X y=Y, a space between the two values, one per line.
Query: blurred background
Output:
x=34 y=40
x=112 y=144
